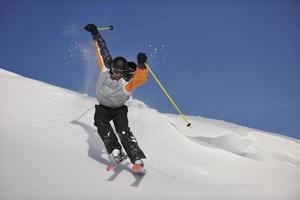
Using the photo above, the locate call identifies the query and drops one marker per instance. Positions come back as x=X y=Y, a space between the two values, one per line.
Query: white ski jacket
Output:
x=109 y=92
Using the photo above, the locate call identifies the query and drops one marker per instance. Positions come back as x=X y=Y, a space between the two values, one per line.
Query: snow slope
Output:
x=49 y=149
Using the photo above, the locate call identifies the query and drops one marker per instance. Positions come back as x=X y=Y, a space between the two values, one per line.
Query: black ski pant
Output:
x=103 y=116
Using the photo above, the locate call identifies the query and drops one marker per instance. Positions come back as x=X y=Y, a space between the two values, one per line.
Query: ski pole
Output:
x=106 y=28
x=168 y=95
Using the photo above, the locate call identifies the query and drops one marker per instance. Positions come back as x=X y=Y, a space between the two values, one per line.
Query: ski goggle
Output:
x=118 y=71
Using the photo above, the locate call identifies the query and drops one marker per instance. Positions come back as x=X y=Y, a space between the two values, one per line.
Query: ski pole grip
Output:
x=106 y=28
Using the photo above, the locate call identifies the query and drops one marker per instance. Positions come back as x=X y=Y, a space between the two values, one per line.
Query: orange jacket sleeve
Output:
x=102 y=52
x=101 y=64
x=140 y=77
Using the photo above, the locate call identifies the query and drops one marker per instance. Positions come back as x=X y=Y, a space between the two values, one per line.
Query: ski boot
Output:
x=138 y=167
x=118 y=155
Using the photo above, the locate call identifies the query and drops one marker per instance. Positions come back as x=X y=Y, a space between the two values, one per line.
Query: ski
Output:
x=110 y=167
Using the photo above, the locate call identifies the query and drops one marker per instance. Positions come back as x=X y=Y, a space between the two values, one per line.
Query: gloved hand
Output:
x=92 y=28
x=141 y=59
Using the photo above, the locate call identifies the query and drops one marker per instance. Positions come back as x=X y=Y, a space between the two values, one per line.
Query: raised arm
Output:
x=141 y=74
x=102 y=52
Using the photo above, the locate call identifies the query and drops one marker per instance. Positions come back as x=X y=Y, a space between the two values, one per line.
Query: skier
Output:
x=114 y=85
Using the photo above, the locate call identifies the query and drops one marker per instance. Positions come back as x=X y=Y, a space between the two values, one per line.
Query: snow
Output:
x=49 y=149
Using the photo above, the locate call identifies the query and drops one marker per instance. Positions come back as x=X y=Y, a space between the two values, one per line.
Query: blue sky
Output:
x=237 y=61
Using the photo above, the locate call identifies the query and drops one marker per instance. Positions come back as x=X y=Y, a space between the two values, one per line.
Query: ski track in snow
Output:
x=49 y=149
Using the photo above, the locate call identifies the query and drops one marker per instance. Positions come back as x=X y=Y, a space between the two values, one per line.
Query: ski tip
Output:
x=109 y=168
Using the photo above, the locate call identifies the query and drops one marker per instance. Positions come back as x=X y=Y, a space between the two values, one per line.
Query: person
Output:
x=115 y=83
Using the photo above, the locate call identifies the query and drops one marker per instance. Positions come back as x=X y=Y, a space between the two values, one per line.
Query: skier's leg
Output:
x=128 y=140
x=105 y=131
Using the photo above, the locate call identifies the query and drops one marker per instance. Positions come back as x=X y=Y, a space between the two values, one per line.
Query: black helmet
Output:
x=120 y=63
